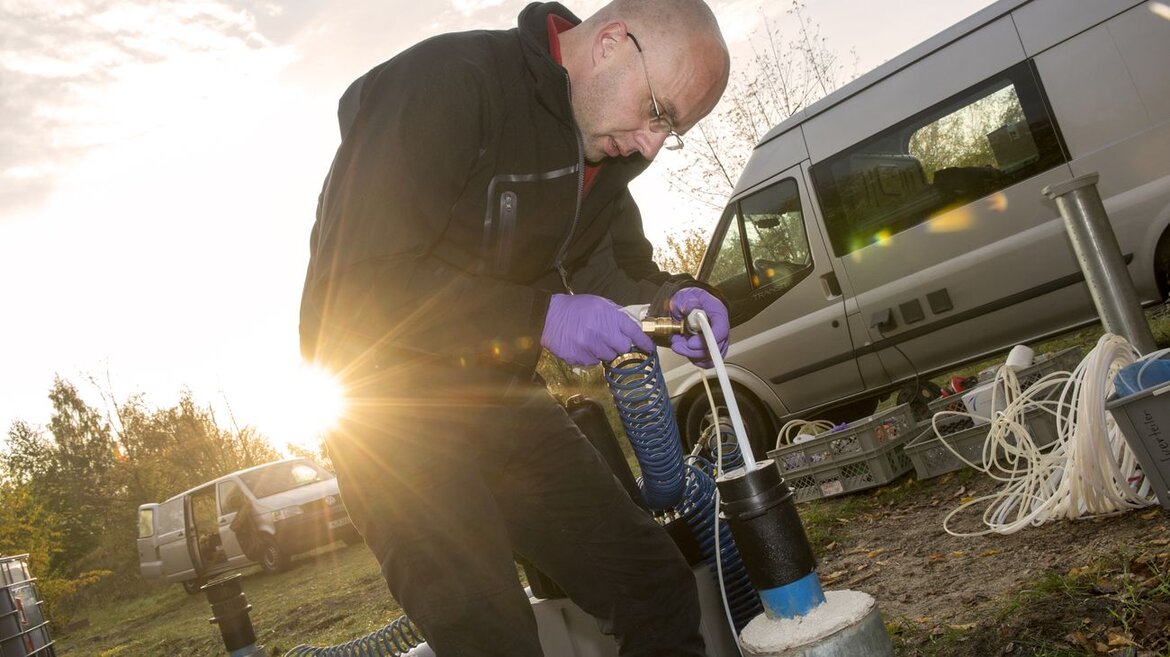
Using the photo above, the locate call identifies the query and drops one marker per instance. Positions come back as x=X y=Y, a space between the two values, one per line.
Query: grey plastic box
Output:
x=932 y=458
x=1144 y=420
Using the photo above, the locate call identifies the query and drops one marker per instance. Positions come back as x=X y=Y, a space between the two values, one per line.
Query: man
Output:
x=477 y=210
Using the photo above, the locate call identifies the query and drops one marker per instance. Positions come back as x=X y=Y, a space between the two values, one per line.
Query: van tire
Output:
x=272 y=558
x=193 y=586
x=1162 y=265
x=755 y=418
x=351 y=537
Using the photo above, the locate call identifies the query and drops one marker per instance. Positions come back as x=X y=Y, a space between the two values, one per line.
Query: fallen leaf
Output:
x=857 y=580
x=1160 y=542
x=873 y=553
x=1150 y=515
x=990 y=553
x=936 y=558
x=1150 y=583
x=958 y=554
x=966 y=500
x=964 y=627
x=1101 y=647
x=1118 y=641
x=958 y=493
x=1078 y=638
x=831 y=546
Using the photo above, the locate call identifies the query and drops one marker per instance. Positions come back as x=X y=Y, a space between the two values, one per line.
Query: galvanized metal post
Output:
x=1099 y=257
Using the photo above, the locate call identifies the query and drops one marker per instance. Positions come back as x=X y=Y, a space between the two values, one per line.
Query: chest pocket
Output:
x=526 y=217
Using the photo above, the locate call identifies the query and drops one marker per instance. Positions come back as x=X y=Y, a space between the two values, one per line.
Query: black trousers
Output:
x=445 y=483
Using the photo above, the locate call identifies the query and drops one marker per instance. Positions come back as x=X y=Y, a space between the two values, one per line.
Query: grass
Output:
x=331 y=595
x=1117 y=605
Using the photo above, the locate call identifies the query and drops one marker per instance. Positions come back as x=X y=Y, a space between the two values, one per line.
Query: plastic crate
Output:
x=1065 y=360
x=23 y=628
x=1143 y=418
x=849 y=475
x=932 y=458
x=859 y=438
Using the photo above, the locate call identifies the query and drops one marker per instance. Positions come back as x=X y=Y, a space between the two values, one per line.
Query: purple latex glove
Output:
x=694 y=346
x=584 y=329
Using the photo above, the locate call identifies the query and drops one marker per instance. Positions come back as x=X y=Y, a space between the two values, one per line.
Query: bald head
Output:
x=634 y=53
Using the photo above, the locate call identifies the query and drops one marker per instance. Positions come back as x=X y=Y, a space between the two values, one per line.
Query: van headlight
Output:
x=287 y=512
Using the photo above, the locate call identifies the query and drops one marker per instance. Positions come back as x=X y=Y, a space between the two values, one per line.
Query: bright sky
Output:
x=160 y=163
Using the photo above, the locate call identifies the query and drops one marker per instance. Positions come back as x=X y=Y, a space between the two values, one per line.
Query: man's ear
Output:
x=608 y=40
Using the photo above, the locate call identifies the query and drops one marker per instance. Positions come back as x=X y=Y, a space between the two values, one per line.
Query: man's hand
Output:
x=694 y=346
x=584 y=329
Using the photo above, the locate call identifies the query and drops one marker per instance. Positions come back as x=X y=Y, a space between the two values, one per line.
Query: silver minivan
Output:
x=896 y=228
x=264 y=515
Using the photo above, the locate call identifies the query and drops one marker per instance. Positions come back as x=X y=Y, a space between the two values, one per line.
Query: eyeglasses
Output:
x=660 y=123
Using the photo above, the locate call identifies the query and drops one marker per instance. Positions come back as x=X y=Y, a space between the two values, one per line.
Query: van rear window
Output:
x=145 y=523
x=978 y=142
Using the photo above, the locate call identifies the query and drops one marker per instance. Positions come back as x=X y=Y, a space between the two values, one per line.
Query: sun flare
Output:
x=301 y=407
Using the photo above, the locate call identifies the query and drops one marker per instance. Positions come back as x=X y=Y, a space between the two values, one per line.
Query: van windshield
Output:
x=280 y=477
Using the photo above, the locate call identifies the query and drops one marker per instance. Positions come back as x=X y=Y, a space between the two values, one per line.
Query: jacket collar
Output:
x=552 y=80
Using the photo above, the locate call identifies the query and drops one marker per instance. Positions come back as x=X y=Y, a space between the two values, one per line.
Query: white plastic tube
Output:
x=698 y=320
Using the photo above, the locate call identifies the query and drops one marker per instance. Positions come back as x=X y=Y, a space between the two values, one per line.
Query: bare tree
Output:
x=781 y=77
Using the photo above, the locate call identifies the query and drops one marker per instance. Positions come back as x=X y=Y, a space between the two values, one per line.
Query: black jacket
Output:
x=454 y=203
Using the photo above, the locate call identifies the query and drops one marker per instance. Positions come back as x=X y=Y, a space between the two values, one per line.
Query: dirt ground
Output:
x=978 y=596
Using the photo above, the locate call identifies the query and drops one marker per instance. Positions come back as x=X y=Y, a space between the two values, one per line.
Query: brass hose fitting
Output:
x=661 y=327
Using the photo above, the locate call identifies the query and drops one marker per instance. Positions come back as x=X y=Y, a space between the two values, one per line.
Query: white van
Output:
x=263 y=514
x=896 y=228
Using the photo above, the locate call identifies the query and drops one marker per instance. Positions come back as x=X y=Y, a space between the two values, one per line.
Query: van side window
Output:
x=170 y=515
x=229 y=497
x=974 y=144
x=764 y=249
x=145 y=523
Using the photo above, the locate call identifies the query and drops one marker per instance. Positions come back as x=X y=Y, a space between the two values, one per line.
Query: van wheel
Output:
x=192 y=586
x=1162 y=265
x=755 y=418
x=272 y=558
x=351 y=537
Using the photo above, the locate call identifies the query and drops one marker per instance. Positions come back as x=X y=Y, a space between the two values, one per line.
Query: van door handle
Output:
x=830 y=285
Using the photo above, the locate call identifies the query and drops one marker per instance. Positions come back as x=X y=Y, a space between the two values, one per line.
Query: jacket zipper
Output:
x=558 y=262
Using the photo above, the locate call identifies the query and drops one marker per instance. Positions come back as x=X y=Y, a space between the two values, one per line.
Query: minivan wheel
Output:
x=351 y=536
x=193 y=586
x=272 y=558
x=1162 y=265
x=755 y=418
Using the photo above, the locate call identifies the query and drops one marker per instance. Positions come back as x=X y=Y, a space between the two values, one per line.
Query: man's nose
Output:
x=649 y=142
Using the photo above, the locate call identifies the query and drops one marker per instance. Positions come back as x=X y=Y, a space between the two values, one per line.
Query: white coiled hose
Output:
x=1089 y=470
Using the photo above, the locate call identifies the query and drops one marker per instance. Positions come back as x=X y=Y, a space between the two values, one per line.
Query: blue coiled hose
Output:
x=729 y=450
x=639 y=391
x=643 y=404
x=394 y=640
x=699 y=509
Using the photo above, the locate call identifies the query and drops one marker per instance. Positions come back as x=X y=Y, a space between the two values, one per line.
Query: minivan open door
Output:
x=172 y=535
x=149 y=560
